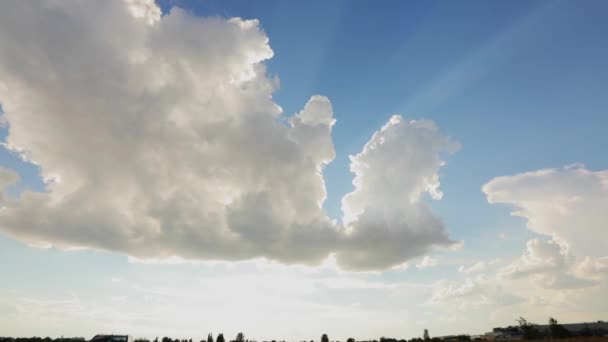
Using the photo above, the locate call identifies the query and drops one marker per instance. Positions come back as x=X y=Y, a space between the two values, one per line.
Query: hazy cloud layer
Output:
x=593 y=268
x=471 y=293
x=157 y=136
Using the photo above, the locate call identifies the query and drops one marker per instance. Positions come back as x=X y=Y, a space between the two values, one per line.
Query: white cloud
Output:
x=157 y=136
x=476 y=267
x=567 y=204
x=593 y=268
x=447 y=290
x=472 y=293
x=385 y=214
x=540 y=257
x=548 y=264
x=427 y=261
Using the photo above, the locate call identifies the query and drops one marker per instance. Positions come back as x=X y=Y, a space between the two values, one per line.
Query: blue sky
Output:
x=131 y=215
x=488 y=73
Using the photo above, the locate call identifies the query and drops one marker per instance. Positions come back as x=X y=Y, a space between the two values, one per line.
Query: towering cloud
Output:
x=157 y=136
x=567 y=204
x=385 y=215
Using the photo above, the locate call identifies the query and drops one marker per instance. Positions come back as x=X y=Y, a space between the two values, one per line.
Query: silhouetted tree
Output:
x=557 y=330
x=210 y=338
x=220 y=338
x=388 y=339
x=350 y=339
x=324 y=338
x=240 y=337
x=527 y=329
x=426 y=335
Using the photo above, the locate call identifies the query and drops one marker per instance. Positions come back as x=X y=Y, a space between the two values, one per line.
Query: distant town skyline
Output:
x=362 y=169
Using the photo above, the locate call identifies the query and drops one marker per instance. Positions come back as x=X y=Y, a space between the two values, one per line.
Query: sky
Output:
x=288 y=169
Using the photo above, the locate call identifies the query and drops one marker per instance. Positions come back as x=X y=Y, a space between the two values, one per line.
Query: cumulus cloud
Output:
x=396 y=168
x=567 y=204
x=548 y=264
x=540 y=257
x=157 y=136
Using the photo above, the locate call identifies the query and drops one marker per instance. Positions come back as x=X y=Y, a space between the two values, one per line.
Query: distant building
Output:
x=599 y=328
x=508 y=333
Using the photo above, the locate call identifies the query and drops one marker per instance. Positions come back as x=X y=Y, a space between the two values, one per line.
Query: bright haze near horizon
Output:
x=288 y=169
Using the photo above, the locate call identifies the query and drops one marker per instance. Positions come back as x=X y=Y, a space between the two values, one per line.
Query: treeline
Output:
x=525 y=330
x=240 y=337
x=41 y=339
